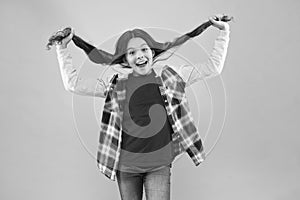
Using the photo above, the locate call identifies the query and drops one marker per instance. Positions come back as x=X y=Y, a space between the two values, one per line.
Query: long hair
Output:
x=102 y=57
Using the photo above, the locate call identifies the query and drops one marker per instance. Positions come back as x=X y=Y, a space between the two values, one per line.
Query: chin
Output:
x=141 y=72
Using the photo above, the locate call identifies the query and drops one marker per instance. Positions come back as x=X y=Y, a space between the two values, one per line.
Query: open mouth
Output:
x=142 y=64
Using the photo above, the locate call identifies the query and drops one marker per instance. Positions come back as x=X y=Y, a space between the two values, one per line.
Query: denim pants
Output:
x=156 y=184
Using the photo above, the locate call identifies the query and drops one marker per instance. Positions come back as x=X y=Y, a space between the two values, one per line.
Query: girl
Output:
x=146 y=120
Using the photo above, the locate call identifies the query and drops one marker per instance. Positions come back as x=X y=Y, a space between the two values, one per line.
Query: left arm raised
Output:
x=215 y=63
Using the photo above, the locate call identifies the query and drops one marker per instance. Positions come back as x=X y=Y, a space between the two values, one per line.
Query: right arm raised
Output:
x=71 y=79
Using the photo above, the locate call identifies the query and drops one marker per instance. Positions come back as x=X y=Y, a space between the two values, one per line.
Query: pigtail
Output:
x=95 y=55
x=172 y=46
x=102 y=57
x=160 y=49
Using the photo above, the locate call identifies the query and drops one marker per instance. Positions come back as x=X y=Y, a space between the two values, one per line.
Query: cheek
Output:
x=129 y=60
x=148 y=55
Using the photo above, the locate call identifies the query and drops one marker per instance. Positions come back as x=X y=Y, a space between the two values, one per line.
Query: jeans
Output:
x=156 y=184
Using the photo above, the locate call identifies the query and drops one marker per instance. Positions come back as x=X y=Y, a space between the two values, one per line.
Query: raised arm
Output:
x=215 y=63
x=70 y=75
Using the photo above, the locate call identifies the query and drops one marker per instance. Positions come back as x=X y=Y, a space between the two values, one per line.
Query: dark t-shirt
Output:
x=146 y=132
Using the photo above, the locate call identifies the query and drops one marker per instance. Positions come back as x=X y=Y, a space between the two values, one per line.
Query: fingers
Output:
x=216 y=21
x=64 y=42
x=72 y=31
x=212 y=19
x=222 y=17
x=217 y=17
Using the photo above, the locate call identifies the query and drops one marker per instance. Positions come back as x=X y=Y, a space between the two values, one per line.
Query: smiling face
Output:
x=139 y=56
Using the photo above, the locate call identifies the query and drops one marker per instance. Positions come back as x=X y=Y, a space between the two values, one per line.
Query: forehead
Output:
x=136 y=43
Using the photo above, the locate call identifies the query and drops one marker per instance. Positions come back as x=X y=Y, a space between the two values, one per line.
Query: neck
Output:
x=137 y=74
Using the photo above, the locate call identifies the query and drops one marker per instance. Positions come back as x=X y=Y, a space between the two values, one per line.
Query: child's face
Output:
x=139 y=56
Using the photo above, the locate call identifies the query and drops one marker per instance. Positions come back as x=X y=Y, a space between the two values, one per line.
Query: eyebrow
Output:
x=140 y=46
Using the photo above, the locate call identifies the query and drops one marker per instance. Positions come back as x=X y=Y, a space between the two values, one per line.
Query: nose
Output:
x=139 y=54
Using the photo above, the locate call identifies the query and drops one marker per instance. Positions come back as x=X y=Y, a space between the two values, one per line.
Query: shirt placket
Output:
x=167 y=105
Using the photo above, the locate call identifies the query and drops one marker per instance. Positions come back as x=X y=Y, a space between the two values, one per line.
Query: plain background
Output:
x=258 y=155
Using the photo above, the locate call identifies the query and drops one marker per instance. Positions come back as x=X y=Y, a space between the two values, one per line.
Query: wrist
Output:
x=61 y=46
x=225 y=32
x=226 y=27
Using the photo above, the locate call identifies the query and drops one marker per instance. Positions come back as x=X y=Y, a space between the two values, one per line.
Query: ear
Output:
x=153 y=53
x=125 y=63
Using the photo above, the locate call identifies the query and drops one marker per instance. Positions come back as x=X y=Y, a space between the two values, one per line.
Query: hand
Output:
x=61 y=38
x=64 y=42
x=216 y=22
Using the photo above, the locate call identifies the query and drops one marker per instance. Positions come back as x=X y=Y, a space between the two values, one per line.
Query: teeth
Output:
x=141 y=63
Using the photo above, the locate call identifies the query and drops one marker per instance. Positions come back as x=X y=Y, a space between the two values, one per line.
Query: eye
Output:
x=145 y=49
x=131 y=53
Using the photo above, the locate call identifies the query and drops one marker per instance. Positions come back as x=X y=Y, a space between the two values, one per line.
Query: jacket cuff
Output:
x=225 y=32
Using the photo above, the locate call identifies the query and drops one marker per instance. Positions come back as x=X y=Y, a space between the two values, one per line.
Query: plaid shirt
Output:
x=171 y=84
x=184 y=138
